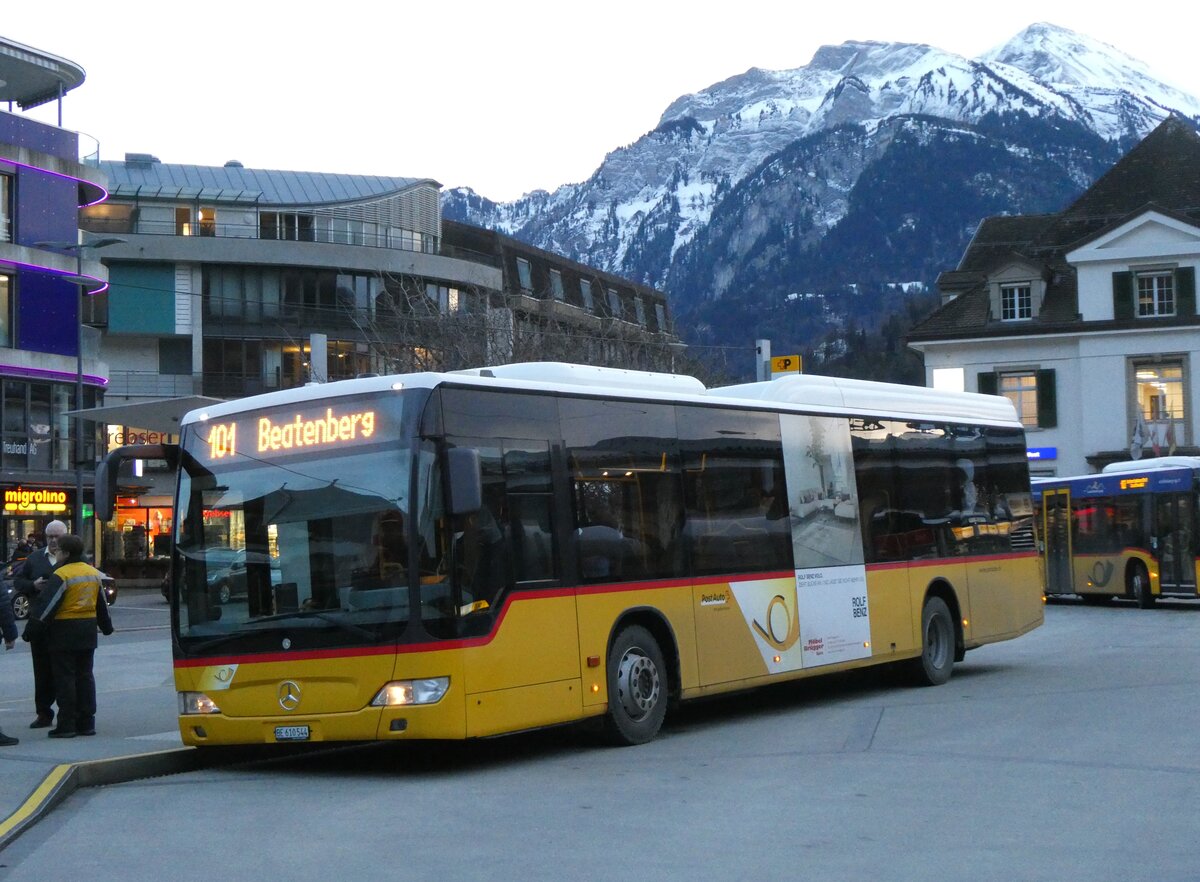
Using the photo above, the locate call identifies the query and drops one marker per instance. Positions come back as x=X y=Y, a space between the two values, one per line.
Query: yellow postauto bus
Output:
x=472 y=553
x=1130 y=532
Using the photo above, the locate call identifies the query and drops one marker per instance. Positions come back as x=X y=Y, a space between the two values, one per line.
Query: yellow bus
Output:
x=1130 y=532
x=472 y=553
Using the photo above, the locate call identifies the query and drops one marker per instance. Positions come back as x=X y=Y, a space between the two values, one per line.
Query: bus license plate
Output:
x=291 y=733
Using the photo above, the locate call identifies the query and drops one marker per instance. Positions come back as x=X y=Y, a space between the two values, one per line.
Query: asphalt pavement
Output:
x=137 y=735
x=1065 y=754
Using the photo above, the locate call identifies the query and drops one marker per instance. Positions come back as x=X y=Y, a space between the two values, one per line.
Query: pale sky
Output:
x=502 y=97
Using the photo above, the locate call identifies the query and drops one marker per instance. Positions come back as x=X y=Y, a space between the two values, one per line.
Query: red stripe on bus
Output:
x=217 y=661
x=535 y=594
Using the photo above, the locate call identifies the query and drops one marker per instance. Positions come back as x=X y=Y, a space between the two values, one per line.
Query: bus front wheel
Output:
x=1139 y=586
x=936 y=661
x=637 y=687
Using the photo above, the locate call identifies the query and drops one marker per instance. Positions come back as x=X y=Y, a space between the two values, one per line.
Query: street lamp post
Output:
x=78 y=248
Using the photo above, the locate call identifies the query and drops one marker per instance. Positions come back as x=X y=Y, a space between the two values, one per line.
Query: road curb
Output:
x=66 y=778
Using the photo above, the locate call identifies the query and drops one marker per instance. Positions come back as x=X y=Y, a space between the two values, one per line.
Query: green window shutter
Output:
x=1185 y=291
x=1047 y=400
x=988 y=383
x=1123 y=296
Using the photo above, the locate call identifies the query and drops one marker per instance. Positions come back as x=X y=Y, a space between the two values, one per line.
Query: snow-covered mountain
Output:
x=651 y=205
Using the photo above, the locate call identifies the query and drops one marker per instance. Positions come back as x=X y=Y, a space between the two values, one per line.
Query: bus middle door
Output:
x=1175 y=526
x=521 y=653
x=1056 y=532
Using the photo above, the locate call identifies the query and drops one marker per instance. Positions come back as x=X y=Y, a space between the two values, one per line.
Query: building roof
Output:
x=471 y=239
x=31 y=77
x=1164 y=168
x=1160 y=173
x=144 y=177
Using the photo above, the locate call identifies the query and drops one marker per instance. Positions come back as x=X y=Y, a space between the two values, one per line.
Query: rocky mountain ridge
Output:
x=749 y=189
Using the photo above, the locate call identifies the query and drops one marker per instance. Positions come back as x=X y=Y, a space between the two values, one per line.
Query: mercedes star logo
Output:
x=289 y=695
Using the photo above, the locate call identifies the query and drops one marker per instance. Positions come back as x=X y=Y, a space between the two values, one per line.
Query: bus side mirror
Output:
x=108 y=469
x=466 y=481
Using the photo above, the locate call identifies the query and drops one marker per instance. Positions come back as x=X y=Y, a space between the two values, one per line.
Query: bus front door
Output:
x=1056 y=508
x=1174 y=520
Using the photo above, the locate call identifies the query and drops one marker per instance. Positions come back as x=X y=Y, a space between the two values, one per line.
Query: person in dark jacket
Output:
x=68 y=610
x=8 y=632
x=31 y=577
x=23 y=550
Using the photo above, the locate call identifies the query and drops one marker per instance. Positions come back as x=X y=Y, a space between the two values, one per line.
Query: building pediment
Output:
x=1016 y=268
x=1152 y=234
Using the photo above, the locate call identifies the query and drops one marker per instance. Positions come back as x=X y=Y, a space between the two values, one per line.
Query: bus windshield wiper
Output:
x=348 y=627
x=213 y=642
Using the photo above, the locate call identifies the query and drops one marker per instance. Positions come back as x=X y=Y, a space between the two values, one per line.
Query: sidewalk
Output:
x=137 y=734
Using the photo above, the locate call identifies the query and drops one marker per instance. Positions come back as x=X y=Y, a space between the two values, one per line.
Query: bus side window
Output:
x=532 y=537
x=528 y=510
x=625 y=486
x=483 y=559
x=511 y=538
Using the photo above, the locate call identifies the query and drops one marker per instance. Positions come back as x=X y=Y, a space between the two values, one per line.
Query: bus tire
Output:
x=1139 y=586
x=637 y=688
x=936 y=662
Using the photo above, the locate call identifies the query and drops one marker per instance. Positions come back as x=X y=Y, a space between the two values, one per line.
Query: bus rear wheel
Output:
x=936 y=661
x=637 y=687
x=1139 y=586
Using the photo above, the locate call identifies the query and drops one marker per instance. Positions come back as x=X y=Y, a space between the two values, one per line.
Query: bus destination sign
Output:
x=280 y=432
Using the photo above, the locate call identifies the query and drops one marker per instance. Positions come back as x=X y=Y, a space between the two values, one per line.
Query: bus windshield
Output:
x=309 y=547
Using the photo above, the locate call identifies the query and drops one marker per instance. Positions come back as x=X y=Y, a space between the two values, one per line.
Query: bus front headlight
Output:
x=402 y=692
x=196 y=703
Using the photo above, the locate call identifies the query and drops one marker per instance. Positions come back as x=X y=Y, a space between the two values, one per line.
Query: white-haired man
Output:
x=32 y=575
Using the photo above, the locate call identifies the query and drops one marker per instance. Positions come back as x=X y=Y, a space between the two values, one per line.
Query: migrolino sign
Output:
x=34 y=499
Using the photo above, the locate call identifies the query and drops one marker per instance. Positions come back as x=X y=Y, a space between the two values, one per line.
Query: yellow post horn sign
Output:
x=786 y=364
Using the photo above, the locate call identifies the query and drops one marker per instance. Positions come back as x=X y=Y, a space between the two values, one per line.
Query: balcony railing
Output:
x=385 y=238
x=89 y=150
x=232 y=384
x=237 y=385
x=148 y=384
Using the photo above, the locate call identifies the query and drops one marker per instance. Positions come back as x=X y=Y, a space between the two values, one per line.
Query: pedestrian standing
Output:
x=31 y=578
x=69 y=609
x=8 y=632
x=22 y=551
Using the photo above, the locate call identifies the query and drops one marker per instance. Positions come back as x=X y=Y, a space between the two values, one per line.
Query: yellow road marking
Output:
x=36 y=799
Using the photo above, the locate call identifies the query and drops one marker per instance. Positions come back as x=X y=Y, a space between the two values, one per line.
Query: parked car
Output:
x=229 y=582
x=19 y=599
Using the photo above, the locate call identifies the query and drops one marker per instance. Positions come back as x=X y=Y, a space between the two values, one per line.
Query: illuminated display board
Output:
x=1042 y=453
x=287 y=431
x=1117 y=483
x=21 y=500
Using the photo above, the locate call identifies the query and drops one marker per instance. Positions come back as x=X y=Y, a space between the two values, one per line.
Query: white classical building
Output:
x=1086 y=319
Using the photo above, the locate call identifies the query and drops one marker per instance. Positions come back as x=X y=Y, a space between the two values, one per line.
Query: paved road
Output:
x=137 y=656
x=1067 y=755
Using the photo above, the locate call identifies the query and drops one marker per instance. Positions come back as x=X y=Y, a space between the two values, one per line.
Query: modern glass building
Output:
x=232 y=281
x=47 y=174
